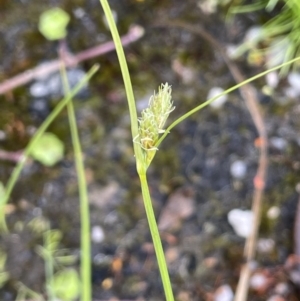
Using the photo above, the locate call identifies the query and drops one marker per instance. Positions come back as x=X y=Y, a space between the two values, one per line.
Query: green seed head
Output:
x=153 y=119
x=161 y=105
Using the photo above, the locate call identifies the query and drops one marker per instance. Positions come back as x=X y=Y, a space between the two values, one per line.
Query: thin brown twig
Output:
x=249 y=95
x=11 y=156
x=134 y=33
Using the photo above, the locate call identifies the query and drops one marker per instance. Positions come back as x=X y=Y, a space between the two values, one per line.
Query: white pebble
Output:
x=278 y=143
x=241 y=221
x=258 y=281
x=217 y=103
x=282 y=288
x=224 y=293
x=265 y=245
x=38 y=89
x=294 y=80
x=272 y=79
x=238 y=169
x=290 y=92
x=97 y=234
x=273 y=212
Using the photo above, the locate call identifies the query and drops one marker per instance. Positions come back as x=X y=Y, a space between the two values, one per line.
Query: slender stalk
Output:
x=140 y=158
x=127 y=82
x=85 y=254
x=206 y=103
x=17 y=170
x=156 y=239
x=49 y=265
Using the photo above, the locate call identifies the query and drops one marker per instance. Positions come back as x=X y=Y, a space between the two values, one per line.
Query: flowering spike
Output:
x=153 y=119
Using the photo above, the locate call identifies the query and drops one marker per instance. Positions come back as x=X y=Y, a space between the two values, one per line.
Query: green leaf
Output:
x=48 y=150
x=53 y=24
x=66 y=284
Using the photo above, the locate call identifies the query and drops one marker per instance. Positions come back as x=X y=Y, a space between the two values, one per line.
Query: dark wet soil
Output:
x=203 y=252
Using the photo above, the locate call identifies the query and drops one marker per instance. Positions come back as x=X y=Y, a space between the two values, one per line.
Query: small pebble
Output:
x=282 y=288
x=290 y=92
x=278 y=143
x=273 y=212
x=219 y=102
x=265 y=245
x=51 y=86
x=223 y=293
x=294 y=79
x=258 y=281
x=172 y=254
x=241 y=221
x=79 y=13
x=272 y=79
x=238 y=169
x=97 y=234
x=38 y=89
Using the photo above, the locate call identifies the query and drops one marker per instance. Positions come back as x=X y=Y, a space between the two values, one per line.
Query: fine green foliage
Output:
x=65 y=283
x=41 y=130
x=25 y=293
x=278 y=41
x=85 y=239
x=48 y=150
x=53 y=24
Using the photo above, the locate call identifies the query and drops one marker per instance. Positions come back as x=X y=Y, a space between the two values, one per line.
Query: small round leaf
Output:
x=48 y=150
x=53 y=23
x=66 y=284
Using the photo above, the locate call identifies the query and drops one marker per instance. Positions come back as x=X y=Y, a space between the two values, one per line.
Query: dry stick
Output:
x=249 y=94
x=11 y=156
x=134 y=33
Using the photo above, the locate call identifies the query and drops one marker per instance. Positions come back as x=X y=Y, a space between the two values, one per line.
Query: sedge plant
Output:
x=279 y=36
x=148 y=132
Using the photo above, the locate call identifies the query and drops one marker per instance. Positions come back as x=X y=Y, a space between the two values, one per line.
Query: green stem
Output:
x=156 y=239
x=17 y=170
x=139 y=155
x=49 y=265
x=206 y=103
x=127 y=83
x=85 y=265
x=85 y=262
